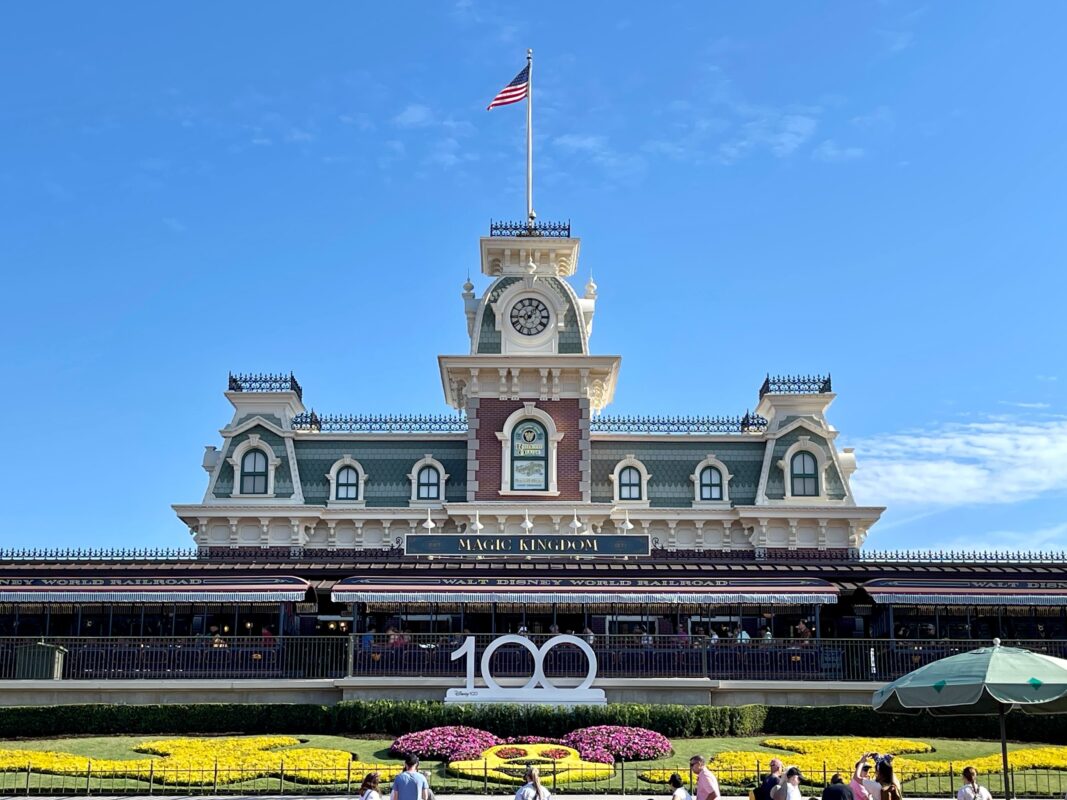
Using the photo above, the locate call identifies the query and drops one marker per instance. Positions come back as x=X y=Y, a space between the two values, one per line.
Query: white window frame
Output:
x=822 y=462
x=631 y=461
x=361 y=498
x=442 y=479
x=529 y=410
x=711 y=461
x=253 y=442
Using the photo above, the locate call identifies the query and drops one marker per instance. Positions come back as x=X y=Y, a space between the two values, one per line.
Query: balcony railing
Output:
x=251 y=382
x=554 y=230
x=795 y=384
x=380 y=423
x=323 y=554
x=429 y=655
x=610 y=423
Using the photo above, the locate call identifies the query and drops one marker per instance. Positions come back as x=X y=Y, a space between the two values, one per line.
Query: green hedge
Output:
x=394 y=717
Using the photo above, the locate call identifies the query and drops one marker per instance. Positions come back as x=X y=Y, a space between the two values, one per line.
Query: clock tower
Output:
x=529 y=384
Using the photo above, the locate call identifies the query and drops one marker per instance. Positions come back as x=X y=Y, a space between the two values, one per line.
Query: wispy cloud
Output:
x=597 y=150
x=831 y=151
x=174 y=224
x=896 y=41
x=780 y=133
x=414 y=115
x=993 y=460
x=1052 y=537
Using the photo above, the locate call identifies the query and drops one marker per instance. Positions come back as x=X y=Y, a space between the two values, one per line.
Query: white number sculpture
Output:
x=538 y=689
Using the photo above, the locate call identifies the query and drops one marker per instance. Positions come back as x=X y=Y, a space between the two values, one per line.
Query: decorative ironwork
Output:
x=380 y=423
x=795 y=384
x=98 y=554
x=249 y=382
x=748 y=423
x=552 y=230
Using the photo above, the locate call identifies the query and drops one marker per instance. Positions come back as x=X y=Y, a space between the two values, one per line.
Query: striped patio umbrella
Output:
x=983 y=682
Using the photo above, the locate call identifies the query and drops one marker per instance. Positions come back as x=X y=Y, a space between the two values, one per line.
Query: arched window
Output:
x=803 y=474
x=710 y=484
x=254 y=472
x=529 y=457
x=429 y=487
x=629 y=484
x=347 y=484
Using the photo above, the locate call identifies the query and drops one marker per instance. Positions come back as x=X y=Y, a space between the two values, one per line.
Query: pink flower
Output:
x=447 y=743
x=609 y=743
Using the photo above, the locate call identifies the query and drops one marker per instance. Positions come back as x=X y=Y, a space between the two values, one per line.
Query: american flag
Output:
x=514 y=91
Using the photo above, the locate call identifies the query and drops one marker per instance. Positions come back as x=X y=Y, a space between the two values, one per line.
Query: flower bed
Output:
x=816 y=756
x=190 y=761
x=556 y=764
x=447 y=743
x=610 y=743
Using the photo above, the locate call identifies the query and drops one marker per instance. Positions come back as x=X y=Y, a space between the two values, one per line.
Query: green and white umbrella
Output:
x=983 y=682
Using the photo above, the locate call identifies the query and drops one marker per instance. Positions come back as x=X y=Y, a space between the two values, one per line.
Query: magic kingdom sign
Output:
x=521 y=545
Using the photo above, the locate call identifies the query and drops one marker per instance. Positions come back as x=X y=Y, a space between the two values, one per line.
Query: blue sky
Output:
x=870 y=189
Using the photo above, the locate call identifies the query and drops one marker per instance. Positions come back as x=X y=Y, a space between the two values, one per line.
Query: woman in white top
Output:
x=532 y=789
x=971 y=790
x=368 y=790
x=678 y=785
x=792 y=784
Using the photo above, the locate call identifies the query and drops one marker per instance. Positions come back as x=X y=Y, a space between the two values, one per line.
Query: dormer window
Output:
x=429 y=484
x=347 y=481
x=804 y=475
x=428 y=479
x=631 y=482
x=710 y=484
x=254 y=472
x=347 y=484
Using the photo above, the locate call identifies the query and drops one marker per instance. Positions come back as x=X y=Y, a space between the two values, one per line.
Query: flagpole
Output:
x=529 y=140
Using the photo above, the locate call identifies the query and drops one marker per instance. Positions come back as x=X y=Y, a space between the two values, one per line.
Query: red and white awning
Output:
x=731 y=591
x=905 y=591
x=161 y=589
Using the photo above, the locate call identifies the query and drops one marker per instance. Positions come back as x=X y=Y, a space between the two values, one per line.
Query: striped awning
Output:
x=967 y=593
x=170 y=589
x=574 y=591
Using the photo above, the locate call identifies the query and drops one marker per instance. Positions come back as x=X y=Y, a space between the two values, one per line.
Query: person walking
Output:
x=678 y=788
x=410 y=784
x=971 y=790
x=532 y=789
x=771 y=782
x=368 y=790
x=707 y=783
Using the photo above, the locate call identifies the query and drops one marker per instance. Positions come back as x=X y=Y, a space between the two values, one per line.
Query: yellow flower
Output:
x=506 y=763
x=198 y=761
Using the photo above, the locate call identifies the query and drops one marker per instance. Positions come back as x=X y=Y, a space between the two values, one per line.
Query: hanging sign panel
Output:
x=448 y=544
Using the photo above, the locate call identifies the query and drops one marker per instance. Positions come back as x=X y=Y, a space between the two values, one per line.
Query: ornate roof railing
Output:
x=554 y=230
x=795 y=384
x=380 y=423
x=251 y=382
x=775 y=554
x=611 y=423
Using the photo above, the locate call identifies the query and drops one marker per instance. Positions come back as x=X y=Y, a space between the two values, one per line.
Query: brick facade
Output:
x=567 y=414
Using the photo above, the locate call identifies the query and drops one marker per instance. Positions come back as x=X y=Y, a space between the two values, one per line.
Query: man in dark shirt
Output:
x=768 y=784
x=838 y=789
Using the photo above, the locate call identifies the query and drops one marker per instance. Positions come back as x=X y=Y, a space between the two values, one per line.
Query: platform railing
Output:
x=430 y=655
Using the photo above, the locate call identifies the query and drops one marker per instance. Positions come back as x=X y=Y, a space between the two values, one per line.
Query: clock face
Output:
x=529 y=316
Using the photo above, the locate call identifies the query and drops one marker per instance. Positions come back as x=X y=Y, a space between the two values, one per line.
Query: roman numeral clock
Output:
x=529 y=316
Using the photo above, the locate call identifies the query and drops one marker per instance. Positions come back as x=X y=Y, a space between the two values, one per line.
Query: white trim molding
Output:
x=822 y=461
x=529 y=410
x=346 y=460
x=631 y=461
x=253 y=442
x=442 y=478
x=711 y=461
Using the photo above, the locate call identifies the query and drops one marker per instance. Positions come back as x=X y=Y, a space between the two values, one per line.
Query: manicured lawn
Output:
x=376 y=750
